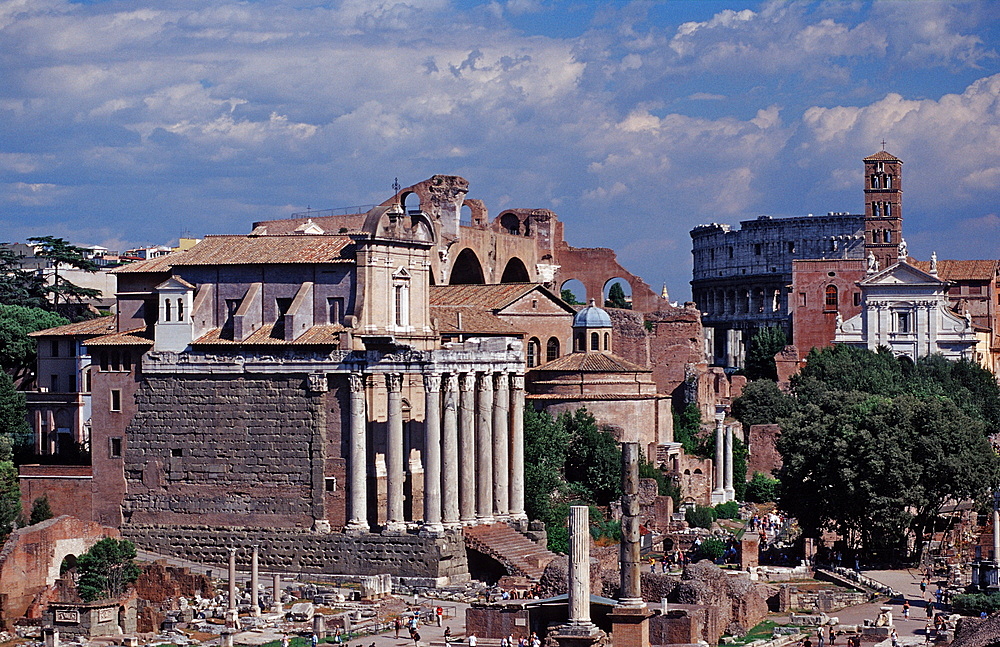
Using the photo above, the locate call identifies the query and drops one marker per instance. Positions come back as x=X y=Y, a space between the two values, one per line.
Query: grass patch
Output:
x=761 y=631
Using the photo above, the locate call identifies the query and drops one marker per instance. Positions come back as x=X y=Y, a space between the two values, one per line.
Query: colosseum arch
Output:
x=515 y=272
x=467 y=269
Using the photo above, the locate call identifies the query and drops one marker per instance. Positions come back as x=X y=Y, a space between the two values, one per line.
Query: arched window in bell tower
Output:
x=831 y=297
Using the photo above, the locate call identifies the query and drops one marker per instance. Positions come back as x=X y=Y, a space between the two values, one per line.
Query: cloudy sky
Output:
x=126 y=122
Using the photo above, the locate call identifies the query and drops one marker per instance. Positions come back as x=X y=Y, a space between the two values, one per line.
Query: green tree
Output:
x=711 y=548
x=14 y=428
x=688 y=432
x=61 y=252
x=727 y=510
x=594 y=459
x=20 y=287
x=764 y=345
x=10 y=491
x=17 y=350
x=700 y=517
x=762 y=403
x=545 y=444
x=762 y=488
x=40 y=510
x=570 y=298
x=107 y=569
x=616 y=297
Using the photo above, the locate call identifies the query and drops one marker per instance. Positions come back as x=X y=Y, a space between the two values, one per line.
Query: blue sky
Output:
x=124 y=123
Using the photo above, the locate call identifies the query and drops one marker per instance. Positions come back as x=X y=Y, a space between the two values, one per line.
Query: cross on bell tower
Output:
x=883 y=206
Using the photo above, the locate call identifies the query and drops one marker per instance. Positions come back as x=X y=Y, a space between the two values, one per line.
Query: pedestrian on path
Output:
x=894 y=637
x=819 y=638
x=906 y=609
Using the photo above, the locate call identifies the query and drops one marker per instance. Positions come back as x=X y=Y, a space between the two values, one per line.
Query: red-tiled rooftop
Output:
x=254 y=250
x=473 y=320
x=962 y=270
x=491 y=297
x=137 y=337
x=592 y=362
x=882 y=156
x=98 y=326
x=271 y=335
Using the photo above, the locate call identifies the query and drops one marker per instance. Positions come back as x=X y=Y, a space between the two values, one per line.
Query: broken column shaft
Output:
x=631 y=588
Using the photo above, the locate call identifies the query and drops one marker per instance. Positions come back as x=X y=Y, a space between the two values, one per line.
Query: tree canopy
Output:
x=61 y=252
x=17 y=350
x=569 y=297
x=764 y=345
x=616 y=297
x=873 y=446
x=20 y=287
x=10 y=491
x=107 y=569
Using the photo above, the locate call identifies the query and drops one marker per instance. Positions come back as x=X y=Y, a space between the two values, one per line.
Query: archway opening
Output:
x=410 y=202
x=573 y=292
x=465 y=216
x=515 y=272
x=511 y=223
x=467 y=269
x=618 y=294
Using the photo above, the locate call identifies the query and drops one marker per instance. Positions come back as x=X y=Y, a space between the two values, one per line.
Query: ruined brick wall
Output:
x=736 y=604
x=31 y=557
x=68 y=488
x=684 y=624
x=675 y=342
x=226 y=451
x=764 y=456
x=292 y=550
x=495 y=623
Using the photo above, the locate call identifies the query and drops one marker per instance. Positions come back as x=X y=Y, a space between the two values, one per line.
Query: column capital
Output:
x=500 y=381
x=517 y=381
x=432 y=382
x=485 y=382
x=467 y=381
x=450 y=382
x=356 y=381
x=394 y=382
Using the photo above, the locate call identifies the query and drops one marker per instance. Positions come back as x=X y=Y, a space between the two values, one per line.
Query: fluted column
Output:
x=728 y=471
x=449 y=452
x=484 y=448
x=517 y=448
x=432 y=453
x=394 y=455
x=501 y=447
x=467 y=449
x=357 y=480
x=579 y=566
x=718 y=493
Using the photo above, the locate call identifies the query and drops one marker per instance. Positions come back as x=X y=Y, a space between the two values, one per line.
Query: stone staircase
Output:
x=517 y=553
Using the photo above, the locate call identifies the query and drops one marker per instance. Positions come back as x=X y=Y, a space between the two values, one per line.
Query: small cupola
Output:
x=592 y=330
x=174 y=327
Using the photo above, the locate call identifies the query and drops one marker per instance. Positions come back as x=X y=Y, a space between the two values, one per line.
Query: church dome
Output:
x=592 y=317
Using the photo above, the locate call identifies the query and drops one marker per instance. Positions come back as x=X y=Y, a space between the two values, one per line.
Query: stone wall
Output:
x=31 y=557
x=292 y=550
x=223 y=451
x=764 y=456
x=68 y=488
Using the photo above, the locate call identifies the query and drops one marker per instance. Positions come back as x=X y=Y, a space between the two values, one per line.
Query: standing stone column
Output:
x=467 y=449
x=449 y=453
x=579 y=567
x=358 y=457
x=395 y=523
x=276 y=588
x=631 y=589
x=432 y=454
x=718 y=492
x=517 y=448
x=254 y=582
x=501 y=447
x=730 y=492
x=232 y=579
x=484 y=448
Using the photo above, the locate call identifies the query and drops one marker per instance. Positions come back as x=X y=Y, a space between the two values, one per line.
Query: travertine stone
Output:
x=484 y=449
x=449 y=451
x=517 y=512
x=395 y=522
x=501 y=447
x=358 y=467
x=432 y=451
x=467 y=449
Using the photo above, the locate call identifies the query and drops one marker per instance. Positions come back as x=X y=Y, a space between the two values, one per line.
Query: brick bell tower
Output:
x=883 y=207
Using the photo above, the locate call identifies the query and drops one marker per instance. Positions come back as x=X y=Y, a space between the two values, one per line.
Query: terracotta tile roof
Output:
x=258 y=250
x=592 y=362
x=593 y=396
x=474 y=320
x=492 y=297
x=98 y=326
x=137 y=337
x=159 y=264
x=271 y=335
x=962 y=270
x=882 y=156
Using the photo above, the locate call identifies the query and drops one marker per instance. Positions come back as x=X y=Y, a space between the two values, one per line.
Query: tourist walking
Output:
x=906 y=609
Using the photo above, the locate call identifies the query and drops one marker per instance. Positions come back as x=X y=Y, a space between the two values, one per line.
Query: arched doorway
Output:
x=467 y=269
x=515 y=272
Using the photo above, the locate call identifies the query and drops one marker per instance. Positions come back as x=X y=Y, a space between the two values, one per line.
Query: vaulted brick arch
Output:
x=467 y=269
x=515 y=272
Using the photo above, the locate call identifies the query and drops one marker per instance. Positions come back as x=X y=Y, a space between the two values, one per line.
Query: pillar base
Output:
x=255 y=611
x=485 y=521
x=395 y=528
x=432 y=530
x=355 y=528
x=503 y=518
x=451 y=526
x=718 y=496
x=630 y=625
x=570 y=635
x=730 y=494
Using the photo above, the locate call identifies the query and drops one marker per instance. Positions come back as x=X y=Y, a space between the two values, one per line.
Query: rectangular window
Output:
x=116 y=400
x=104 y=360
x=283 y=304
x=857 y=298
x=55 y=348
x=232 y=305
x=126 y=361
x=72 y=348
x=331 y=483
x=975 y=289
x=903 y=322
x=54 y=383
x=802 y=299
x=87 y=380
x=756 y=249
x=177 y=452
x=115 y=447
x=791 y=247
x=335 y=306
x=72 y=384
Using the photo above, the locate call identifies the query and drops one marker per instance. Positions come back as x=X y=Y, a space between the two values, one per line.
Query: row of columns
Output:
x=254 y=585
x=723 y=490
x=473 y=451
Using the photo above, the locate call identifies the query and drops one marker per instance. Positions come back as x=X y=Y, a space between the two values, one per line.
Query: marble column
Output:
x=631 y=589
x=276 y=589
x=579 y=567
x=501 y=447
x=467 y=449
x=432 y=454
x=728 y=488
x=357 y=479
x=394 y=523
x=484 y=448
x=232 y=579
x=255 y=582
x=718 y=492
x=449 y=453
x=517 y=448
